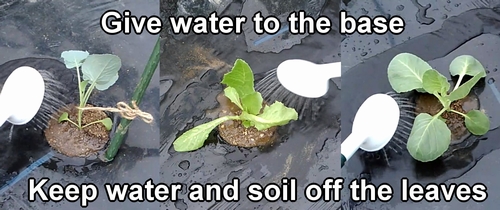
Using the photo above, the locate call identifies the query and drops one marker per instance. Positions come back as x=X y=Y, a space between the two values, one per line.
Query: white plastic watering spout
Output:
x=374 y=126
x=305 y=78
x=21 y=96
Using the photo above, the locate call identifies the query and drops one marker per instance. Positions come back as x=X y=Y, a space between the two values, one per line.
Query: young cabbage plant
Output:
x=99 y=71
x=430 y=137
x=240 y=91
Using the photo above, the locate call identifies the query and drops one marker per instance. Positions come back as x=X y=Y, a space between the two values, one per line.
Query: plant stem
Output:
x=458 y=82
x=98 y=121
x=83 y=103
x=440 y=113
x=73 y=123
x=148 y=73
x=80 y=92
x=460 y=113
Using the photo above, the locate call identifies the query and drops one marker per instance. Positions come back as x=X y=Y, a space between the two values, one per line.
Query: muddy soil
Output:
x=427 y=103
x=233 y=131
x=71 y=141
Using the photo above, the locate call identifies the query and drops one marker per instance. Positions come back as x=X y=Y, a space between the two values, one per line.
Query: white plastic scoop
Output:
x=305 y=78
x=374 y=126
x=21 y=96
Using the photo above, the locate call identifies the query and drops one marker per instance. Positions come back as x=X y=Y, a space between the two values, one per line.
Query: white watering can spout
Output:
x=21 y=96
x=374 y=125
x=305 y=78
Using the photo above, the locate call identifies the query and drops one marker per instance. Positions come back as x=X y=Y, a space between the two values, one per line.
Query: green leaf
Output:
x=477 y=122
x=405 y=72
x=247 y=123
x=464 y=89
x=233 y=96
x=101 y=70
x=74 y=58
x=83 y=85
x=275 y=115
x=107 y=123
x=465 y=65
x=194 y=138
x=64 y=117
x=434 y=82
x=240 y=78
x=252 y=103
x=429 y=138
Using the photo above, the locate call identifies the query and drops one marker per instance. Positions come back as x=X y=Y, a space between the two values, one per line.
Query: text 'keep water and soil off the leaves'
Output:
x=286 y=191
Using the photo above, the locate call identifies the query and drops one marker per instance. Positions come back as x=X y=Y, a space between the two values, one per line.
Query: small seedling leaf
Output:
x=74 y=58
x=275 y=115
x=240 y=78
x=107 y=123
x=247 y=123
x=102 y=70
x=465 y=65
x=433 y=82
x=477 y=122
x=64 y=117
x=194 y=138
x=233 y=96
x=252 y=103
x=429 y=138
x=405 y=72
x=464 y=89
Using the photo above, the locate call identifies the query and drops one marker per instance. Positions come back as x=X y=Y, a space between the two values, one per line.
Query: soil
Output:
x=233 y=131
x=71 y=141
x=427 y=103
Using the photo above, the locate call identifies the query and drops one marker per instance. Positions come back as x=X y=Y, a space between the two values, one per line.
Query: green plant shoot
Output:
x=240 y=91
x=99 y=71
x=430 y=137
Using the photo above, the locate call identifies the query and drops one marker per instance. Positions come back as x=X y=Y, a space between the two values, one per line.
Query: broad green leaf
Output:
x=64 y=117
x=107 y=123
x=464 y=89
x=433 y=82
x=240 y=78
x=74 y=58
x=275 y=115
x=405 y=72
x=101 y=70
x=465 y=65
x=429 y=138
x=252 y=103
x=233 y=96
x=477 y=122
x=193 y=139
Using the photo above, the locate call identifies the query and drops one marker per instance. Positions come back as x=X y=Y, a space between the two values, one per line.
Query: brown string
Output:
x=125 y=111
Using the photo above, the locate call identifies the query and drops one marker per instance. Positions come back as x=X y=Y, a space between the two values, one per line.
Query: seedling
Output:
x=430 y=137
x=240 y=91
x=99 y=71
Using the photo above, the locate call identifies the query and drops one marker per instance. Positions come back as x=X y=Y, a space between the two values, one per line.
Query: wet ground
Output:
x=436 y=31
x=51 y=28
x=191 y=70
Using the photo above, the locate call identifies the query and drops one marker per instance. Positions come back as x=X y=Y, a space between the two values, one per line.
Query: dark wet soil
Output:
x=427 y=103
x=71 y=141
x=233 y=131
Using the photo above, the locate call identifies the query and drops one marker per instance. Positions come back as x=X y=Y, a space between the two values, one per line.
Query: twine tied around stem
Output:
x=127 y=112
